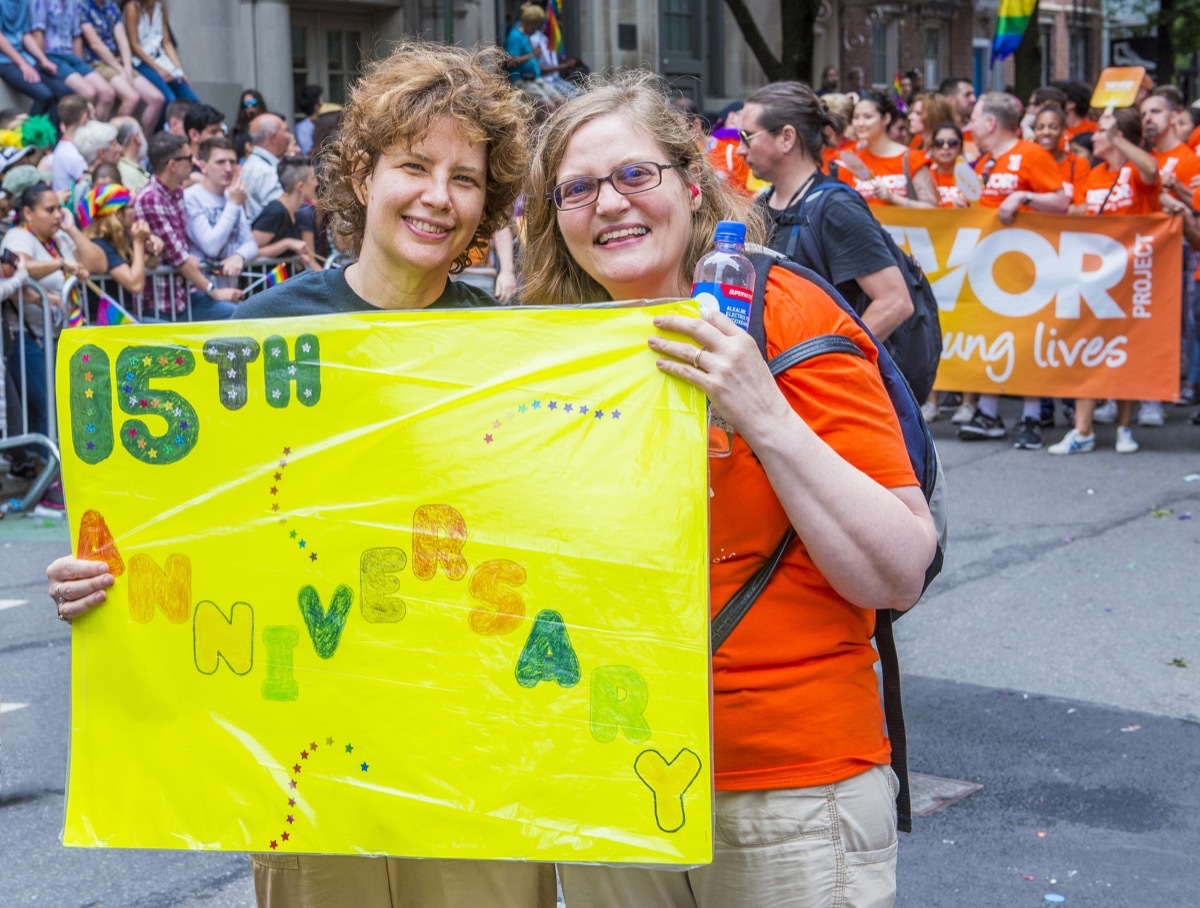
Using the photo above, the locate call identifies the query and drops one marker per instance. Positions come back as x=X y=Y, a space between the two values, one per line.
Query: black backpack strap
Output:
x=735 y=609
x=893 y=713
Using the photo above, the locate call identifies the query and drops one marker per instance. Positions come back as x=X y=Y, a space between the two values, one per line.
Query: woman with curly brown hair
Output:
x=427 y=166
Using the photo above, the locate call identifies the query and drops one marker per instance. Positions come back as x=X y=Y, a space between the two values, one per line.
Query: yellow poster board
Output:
x=421 y=584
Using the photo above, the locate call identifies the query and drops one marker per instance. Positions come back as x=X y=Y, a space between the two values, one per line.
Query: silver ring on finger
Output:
x=696 y=358
x=58 y=596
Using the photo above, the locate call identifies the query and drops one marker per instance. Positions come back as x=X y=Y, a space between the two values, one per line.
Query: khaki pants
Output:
x=831 y=846
x=349 y=881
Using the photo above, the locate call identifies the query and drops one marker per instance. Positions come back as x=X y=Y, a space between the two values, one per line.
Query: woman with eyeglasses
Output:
x=250 y=106
x=1049 y=127
x=898 y=175
x=945 y=152
x=621 y=204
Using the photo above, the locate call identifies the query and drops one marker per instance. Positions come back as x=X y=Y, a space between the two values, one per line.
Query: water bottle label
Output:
x=733 y=301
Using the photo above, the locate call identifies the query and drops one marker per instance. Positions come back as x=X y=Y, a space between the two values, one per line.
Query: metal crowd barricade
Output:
x=48 y=440
x=260 y=274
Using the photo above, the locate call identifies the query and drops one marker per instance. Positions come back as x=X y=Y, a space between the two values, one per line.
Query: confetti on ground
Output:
x=1131 y=728
x=1178 y=662
x=1192 y=477
x=1029 y=878
x=1162 y=512
x=1091 y=491
x=1068 y=539
x=1186 y=515
x=1055 y=899
x=1041 y=834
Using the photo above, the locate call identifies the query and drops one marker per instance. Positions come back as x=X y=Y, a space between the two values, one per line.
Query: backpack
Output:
x=916 y=345
x=926 y=464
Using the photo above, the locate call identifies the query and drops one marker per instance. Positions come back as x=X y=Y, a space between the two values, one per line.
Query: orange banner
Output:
x=1051 y=306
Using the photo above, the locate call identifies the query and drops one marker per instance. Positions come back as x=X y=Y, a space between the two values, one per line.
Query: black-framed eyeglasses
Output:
x=747 y=137
x=627 y=180
x=946 y=143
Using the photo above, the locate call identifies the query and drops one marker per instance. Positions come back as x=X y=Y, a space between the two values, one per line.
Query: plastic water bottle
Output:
x=724 y=281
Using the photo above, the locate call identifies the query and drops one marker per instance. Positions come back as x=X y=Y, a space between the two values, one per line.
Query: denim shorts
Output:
x=68 y=64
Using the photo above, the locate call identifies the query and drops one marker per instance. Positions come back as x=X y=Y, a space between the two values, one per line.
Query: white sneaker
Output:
x=1106 y=413
x=1151 y=414
x=930 y=411
x=963 y=415
x=1074 y=443
x=1125 y=442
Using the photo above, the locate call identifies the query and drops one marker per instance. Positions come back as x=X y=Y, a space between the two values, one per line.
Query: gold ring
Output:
x=696 y=359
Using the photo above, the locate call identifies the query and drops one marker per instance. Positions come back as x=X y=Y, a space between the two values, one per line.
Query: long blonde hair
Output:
x=551 y=275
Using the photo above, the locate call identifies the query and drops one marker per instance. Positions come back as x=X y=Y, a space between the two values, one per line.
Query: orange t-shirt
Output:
x=1074 y=170
x=888 y=171
x=949 y=195
x=1184 y=164
x=1194 y=139
x=1125 y=191
x=796 y=702
x=728 y=163
x=1026 y=167
x=1078 y=129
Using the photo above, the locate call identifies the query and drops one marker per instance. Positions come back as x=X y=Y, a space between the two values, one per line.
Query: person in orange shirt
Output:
x=929 y=109
x=1017 y=176
x=897 y=174
x=1077 y=108
x=947 y=146
x=960 y=93
x=1178 y=165
x=800 y=761
x=1125 y=181
x=1048 y=129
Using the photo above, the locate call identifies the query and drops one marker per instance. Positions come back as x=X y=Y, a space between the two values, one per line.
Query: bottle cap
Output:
x=730 y=232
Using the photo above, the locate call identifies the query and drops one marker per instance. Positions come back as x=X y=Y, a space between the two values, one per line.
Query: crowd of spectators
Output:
x=119 y=176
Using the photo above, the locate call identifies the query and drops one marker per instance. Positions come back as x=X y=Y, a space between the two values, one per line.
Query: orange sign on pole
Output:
x=1118 y=86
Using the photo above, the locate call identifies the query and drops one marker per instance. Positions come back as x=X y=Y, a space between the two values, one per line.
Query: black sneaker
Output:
x=1029 y=438
x=1047 y=414
x=22 y=470
x=982 y=426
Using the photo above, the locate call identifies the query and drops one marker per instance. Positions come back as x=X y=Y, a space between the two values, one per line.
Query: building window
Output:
x=300 y=65
x=1046 y=36
x=879 y=60
x=933 y=73
x=1080 y=55
x=327 y=50
x=679 y=25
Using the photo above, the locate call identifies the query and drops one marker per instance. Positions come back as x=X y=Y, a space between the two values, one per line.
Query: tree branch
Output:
x=771 y=67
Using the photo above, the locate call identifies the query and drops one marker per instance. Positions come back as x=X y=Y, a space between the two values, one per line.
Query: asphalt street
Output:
x=1055 y=663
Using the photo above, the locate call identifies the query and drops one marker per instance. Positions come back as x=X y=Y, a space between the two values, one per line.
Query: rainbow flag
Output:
x=277 y=275
x=553 y=32
x=898 y=93
x=1010 y=26
x=75 y=318
x=110 y=312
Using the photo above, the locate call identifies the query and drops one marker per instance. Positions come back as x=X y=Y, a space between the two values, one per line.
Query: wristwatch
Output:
x=1028 y=199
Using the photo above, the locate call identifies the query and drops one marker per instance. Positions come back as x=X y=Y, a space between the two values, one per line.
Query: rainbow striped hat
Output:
x=105 y=199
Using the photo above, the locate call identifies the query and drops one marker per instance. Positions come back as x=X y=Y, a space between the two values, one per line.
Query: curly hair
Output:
x=552 y=276
x=935 y=110
x=110 y=227
x=397 y=100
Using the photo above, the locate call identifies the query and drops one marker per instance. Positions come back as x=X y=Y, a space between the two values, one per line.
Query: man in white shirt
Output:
x=66 y=163
x=271 y=139
x=217 y=226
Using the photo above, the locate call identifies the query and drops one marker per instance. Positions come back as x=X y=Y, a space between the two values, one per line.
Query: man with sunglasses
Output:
x=161 y=205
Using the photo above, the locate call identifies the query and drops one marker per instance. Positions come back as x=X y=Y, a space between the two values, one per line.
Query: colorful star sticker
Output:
x=537 y=405
x=87 y=376
x=86 y=358
x=615 y=414
x=296 y=768
x=292 y=783
x=291 y=803
x=162 y=360
x=567 y=408
x=154 y=454
x=308 y=392
x=132 y=433
x=141 y=443
x=278 y=476
x=275 y=351
x=599 y=414
x=274 y=490
x=231 y=356
x=179 y=360
x=349 y=748
x=312 y=557
x=274 y=844
x=88 y=393
x=522 y=408
x=487 y=439
x=312 y=746
x=275 y=507
x=143 y=403
x=287 y=452
x=303 y=543
x=91 y=445
x=364 y=767
x=553 y=405
x=583 y=410
x=496 y=424
x=146 y=361
x=304 y=755
x=329 y=742
x=183 y=424
x=284 y=836
x=91 y=427
x=292 y=534
x=291 y=819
